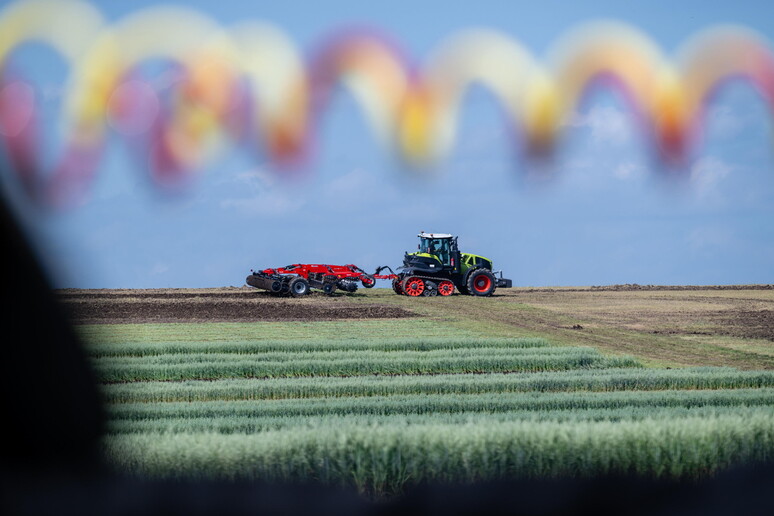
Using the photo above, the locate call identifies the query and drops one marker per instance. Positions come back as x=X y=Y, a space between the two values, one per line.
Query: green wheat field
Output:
x=383 y=406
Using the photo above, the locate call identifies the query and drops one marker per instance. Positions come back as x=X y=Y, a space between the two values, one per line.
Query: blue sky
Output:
x=608 y=216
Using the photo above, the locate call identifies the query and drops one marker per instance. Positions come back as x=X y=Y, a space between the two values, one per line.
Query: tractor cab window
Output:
x=438 y=247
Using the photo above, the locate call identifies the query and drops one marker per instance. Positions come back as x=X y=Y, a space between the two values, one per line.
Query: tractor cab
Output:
x=439 y=245
x=436 y=252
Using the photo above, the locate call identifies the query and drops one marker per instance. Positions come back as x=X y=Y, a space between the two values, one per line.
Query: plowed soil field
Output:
x=213 y=305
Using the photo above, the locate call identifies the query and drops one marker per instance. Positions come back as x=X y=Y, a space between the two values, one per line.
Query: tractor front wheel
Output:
x=481 y=282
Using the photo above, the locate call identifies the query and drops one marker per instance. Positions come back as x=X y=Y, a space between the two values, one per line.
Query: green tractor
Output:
x=438 y=267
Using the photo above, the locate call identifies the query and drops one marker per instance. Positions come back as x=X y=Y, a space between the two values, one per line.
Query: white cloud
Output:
x=159 y=268
x=256 y=179
x=723 y=122
x=269 y=203
x=706 y=176
x=359 y=189
x=352 y=184
x=710 y=236
x=608 y=125
x=628 y=170
x=595 y=170
x=262 y=194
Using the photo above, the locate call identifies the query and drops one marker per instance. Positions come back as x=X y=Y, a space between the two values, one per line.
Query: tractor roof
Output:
x=422 y=234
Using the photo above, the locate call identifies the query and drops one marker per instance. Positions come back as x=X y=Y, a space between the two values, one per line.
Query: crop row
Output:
x=354 y=330
x=386 y=365
x=446 y=403
x=254 y=424
x=145 y=349
x=573 y=380
x=362 y=355
x=385 y=458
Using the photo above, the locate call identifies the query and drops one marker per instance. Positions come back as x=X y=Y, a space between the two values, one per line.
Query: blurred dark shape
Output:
x=53 y=417
x=50 y=461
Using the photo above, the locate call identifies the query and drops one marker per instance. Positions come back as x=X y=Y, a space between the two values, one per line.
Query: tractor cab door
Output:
x=438 y=247
x=455 y=257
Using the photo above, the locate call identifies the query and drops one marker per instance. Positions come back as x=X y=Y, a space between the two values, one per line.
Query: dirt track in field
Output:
x=221 y=305
x=671 y=326
x=634 y=287
x=745 y=312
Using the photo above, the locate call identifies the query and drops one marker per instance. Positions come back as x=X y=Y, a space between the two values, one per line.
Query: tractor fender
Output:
x=468 y=273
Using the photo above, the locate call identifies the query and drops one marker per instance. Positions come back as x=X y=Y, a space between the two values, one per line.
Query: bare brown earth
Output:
x=212 y=305
x=660 y=325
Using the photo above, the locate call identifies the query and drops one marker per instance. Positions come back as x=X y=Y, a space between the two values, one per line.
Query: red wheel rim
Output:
x=482 y=283
x=414 y=287
x=445 y=288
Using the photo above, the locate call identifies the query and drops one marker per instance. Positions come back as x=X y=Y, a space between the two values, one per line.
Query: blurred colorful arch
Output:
x=250 y=85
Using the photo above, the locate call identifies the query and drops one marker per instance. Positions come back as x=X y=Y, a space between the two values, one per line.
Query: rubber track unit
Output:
x=426 y=293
